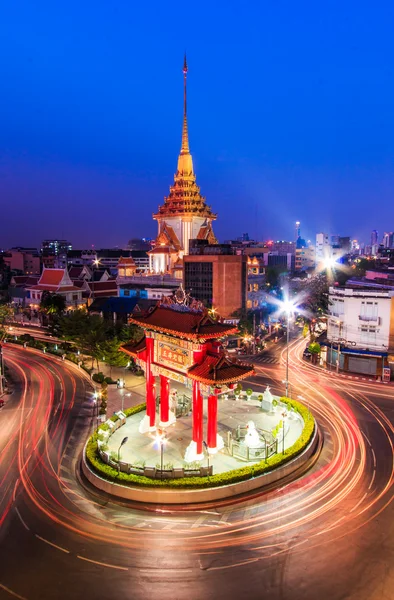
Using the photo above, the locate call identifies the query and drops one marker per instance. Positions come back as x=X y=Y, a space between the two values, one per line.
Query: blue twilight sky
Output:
x=291 y=116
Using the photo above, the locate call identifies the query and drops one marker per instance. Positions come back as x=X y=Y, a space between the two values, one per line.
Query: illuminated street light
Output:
x=288 y=307
x=160 y=438
x=122 y=443
x=329 y=262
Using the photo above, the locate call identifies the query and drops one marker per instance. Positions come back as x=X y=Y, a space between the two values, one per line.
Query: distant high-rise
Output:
x=297 y=230
x=388 y=239
x=374 y=237
x=55 y=247
x=323 y=246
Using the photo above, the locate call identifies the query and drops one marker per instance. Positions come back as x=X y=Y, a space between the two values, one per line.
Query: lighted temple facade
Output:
x=184 y=215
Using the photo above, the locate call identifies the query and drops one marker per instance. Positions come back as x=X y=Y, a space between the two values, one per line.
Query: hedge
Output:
x=107 y=472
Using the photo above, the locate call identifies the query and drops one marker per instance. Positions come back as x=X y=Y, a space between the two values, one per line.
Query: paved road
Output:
x=326 y=535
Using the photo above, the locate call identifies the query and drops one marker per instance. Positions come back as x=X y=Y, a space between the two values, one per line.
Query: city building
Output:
x=56 y=281
x=305 y=258
x=184 y=214
x=388 y=239
x=140 y=244
x=55 y=247
x=323 y=247
x=374 y=237
x=216 y=276
x=256 y=294
x=25 y=260
x=360 y=329
x=282 y=247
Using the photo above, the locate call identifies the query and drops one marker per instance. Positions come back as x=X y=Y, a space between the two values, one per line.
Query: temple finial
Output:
x=185 y=137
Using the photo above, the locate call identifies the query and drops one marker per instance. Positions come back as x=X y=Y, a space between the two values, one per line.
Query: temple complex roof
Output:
x=217 y=369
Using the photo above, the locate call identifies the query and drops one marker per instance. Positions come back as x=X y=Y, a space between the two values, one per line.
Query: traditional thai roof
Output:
x=24 y=280
x=219 y=370
x=52 y=277
x=126 y=261
x=206 y=233
x=134 y=349
x=184 y=197
x=103 y=288
x=76 y=272
x=56 y=289
x=181 y=321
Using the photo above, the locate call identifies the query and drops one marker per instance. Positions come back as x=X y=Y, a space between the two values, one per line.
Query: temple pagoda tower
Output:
x=184 y=214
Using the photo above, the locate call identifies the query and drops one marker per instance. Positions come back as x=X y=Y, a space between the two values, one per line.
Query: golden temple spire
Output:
x=185 y=136
x=185 y=161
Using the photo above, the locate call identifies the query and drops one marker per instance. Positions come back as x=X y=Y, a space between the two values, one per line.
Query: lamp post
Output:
x=161 y=439
x=122 y=443
x=206 y=448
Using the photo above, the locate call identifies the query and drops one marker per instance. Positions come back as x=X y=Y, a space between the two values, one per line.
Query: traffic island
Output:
x=263 y=442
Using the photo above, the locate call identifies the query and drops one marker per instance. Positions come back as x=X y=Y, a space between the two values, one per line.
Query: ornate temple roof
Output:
x=183 y=322
x=217 y=369
x=135 y=348
x=185 y=197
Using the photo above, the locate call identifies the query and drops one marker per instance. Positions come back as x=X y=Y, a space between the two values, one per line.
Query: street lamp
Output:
x=122 y=443
x=206 y=448
x=288 y=309
x=161 y=439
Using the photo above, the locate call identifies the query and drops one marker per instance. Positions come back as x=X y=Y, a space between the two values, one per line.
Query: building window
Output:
x=198 y=281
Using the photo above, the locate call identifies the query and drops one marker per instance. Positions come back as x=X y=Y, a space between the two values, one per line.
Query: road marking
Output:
x=160 y=571
x=3 y=587
x=96 y=562
x=22 y=521
x=372 y=480
x=16 y=487
x=358 y=503
x=240 y=564
x=52 y=544
x=374 y=458
x=198 y=521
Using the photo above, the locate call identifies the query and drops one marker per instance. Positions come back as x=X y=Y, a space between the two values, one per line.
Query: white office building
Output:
x=360 y=329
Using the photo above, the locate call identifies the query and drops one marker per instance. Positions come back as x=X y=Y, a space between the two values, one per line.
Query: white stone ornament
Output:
x=191 y=453
x=252 y=438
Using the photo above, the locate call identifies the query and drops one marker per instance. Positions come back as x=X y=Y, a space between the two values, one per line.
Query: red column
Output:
x=150 y=380
x=200 y=432
x=196 y=392
x=164 y=399
x=212 y=421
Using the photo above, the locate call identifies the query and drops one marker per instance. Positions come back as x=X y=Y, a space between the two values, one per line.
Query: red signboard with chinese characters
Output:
x=386 y=373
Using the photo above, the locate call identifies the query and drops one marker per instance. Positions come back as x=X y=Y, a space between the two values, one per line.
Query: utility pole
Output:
x=254 y=332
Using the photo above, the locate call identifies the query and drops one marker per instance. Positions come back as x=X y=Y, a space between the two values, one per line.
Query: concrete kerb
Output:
x=195 y=496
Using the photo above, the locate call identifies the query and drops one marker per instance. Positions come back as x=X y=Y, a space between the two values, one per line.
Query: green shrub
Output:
x=109 y=380
x=260 y=397
x=98 y=377
x=249 y=392
x=235 y=476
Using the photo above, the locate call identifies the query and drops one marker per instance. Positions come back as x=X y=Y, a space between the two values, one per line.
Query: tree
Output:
x=52 y=304
x=6 y=312
x=112 y=356
x=314 y=305
x=315 y=349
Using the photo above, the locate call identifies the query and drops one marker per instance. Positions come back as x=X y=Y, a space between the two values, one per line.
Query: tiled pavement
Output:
x=143 y=447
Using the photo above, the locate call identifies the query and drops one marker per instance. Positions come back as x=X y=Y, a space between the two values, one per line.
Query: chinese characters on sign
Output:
x=173 y=355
